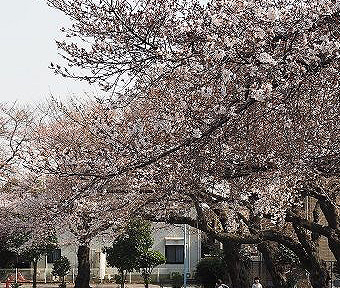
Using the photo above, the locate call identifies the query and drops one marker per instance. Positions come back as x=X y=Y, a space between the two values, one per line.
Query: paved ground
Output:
x=111 y=285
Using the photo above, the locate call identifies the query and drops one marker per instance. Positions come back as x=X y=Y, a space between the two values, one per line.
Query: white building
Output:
x=168 y=239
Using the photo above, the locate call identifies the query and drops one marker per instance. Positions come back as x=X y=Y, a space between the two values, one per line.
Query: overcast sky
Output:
x=29 y=29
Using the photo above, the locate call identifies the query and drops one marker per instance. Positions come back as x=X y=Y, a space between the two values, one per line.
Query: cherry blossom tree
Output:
x=46 y=204
x=83 y=209
x=201 y=71
x=229 y=104
x=24 y=229
x=100 y=215
x=14 y=133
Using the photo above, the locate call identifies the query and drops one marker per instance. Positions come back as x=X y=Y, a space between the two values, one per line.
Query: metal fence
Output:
x=160 y=275
x=335 y=277
x=44 y=275
x=26 y=275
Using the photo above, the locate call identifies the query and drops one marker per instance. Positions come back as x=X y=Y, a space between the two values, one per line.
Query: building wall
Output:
x=163 y=234
x=170 y=234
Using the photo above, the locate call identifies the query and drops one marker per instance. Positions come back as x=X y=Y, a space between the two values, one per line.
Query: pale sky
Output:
x=29 y=29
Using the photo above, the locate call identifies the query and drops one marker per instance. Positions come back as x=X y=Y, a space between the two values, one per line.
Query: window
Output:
x=22 y=263
x=53 y=255
x=174 y=254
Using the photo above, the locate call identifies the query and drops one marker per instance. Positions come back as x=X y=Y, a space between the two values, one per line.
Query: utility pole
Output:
x=185 y=257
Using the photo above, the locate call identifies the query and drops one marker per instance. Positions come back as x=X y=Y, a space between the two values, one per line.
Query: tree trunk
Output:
x=308 y=256
x=146 y=277
x=334 y=246
x=333 y=219
x=319 y=276
x=146 y=282
x=122 y=278
x=236 y=266
x=318 y=272
x=35 y=269
x=83 y=276
x=267 y=250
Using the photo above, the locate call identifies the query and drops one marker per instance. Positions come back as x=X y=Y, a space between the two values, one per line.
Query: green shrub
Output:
x=208 y=270
x=177 y=280
x=61 y=267
x=147 y=261
x=117 y=278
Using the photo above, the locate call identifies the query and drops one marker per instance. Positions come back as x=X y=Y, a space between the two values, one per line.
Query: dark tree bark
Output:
x=308 y=257
x=333 y=221
x=122 y=279
x=334 y=246
x=332 y=230
x=146 y=279
x=332 y=235
x=267 y=250
x=318 y=272
x=237 y=267
x=319 y=276
x=123 y=275
x=83 y=276
x=35 y=268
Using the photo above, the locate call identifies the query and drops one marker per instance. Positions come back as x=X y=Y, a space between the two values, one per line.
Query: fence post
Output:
x=45 y=272
x=73 y=275
x=157 y=275
x=16 y=275
x=130 y=277
x=331 y=274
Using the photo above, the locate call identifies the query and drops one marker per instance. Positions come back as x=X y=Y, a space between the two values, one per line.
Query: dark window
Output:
x=23 y=263
x=174 y=254
x=53 y=255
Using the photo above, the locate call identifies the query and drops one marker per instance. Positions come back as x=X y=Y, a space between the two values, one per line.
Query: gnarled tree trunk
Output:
x=237 y=267
x=267 y=250
x=319 y=275
x=333 y=221
x=318 y=272
x=308 y=256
